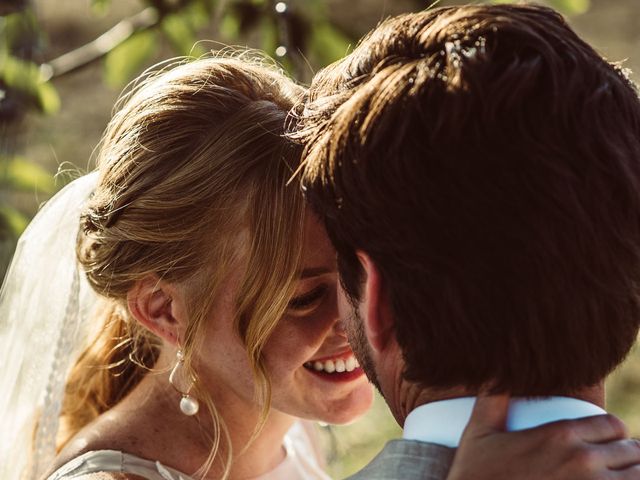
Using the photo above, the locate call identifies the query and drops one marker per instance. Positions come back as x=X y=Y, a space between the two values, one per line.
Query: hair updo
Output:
x=194 y=158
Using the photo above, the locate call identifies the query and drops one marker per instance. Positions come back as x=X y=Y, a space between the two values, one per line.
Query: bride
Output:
x=197 y=332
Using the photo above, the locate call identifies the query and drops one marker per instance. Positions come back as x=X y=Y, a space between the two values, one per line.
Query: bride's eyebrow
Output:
x=314 y=272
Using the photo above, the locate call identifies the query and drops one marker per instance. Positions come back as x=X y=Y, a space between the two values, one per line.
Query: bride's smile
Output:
x=310 y=365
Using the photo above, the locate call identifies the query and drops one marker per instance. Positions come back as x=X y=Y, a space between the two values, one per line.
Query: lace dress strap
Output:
x=115 y=461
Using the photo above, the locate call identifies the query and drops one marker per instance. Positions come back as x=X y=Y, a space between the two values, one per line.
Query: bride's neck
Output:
x=186 y=437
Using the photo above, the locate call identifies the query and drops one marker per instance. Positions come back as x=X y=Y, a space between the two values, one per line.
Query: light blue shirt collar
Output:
x=443 y=422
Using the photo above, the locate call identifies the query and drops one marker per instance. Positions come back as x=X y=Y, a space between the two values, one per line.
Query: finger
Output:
x=630 y=473
x=599 y=428
x=620 y=454
x=595 y=429
x=489 y=415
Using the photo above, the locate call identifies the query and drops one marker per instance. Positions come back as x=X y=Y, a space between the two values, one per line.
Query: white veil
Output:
x=43 y=302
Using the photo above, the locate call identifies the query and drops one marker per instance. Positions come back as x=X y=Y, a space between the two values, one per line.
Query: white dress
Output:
x=300 y=463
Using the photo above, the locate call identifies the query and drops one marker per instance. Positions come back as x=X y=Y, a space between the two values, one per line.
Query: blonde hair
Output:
x=194 y=156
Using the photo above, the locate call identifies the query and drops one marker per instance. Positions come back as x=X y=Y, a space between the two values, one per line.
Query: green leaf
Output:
x=328 y=43
x=181 y=34
x=230 y=26
x=15 y=221
x=205 y=6
x=48 y=99
x=128 y=59
x=269 y=32
x=198 y=13
x=18 y=173
x=19 y=74
x=18 y=28
x=26 y=78
x=100 y=7
x=567 y=7
x=571 y=7
x=318 y=8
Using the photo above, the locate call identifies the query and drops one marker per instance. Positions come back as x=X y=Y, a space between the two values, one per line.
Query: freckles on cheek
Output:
x=288 y=349
x=303 y=330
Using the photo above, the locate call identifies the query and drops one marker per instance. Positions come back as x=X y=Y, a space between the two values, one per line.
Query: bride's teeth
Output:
x=350 y=364
x=357 y=362
x=340 y=365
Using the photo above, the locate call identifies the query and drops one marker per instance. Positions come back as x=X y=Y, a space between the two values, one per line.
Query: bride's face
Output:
x=313 y=372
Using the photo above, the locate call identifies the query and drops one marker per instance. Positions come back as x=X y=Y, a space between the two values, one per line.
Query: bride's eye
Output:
x=308 y=299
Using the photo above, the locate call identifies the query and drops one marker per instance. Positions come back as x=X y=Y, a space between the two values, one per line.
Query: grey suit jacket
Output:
x=408 y=460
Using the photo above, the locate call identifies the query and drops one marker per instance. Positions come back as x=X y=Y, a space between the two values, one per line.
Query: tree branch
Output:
x=98 y=48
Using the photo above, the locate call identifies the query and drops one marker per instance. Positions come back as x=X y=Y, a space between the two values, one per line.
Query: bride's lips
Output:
x=339 y=368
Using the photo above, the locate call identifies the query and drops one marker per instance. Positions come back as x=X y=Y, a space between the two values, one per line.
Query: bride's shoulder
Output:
x=106 y=433
x=93 y=454
x=86 y=443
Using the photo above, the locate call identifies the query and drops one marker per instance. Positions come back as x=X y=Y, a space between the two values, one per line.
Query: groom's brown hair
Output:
x=488 y=161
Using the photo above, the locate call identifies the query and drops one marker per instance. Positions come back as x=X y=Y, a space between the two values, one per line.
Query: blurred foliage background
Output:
x=63 y=64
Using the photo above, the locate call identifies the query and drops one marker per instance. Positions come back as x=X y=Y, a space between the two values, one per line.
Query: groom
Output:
x=478 y=171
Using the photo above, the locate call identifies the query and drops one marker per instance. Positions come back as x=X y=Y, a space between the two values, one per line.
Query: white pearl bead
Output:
x=189 y=405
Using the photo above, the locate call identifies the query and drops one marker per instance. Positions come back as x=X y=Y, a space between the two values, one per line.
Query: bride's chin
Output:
x=350 y=409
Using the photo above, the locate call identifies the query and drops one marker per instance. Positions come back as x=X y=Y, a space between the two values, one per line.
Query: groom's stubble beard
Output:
x=360 y=345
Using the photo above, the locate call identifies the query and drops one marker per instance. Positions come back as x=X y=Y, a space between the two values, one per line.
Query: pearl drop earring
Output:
x=183 y=383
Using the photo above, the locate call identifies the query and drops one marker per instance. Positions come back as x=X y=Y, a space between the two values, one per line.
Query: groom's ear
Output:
x=378 y=320
x=158 y=306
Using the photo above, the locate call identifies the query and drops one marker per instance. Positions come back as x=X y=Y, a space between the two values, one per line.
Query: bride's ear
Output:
x=158 y=306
